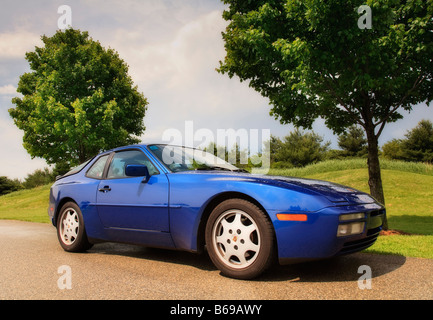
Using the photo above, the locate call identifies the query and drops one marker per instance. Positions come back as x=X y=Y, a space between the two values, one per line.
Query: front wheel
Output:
x=240 y=239
x=70 y=229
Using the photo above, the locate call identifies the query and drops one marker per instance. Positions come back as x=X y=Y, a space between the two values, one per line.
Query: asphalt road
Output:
x=33 y=266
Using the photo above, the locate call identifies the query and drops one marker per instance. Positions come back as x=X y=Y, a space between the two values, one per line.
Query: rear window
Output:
x=75 y=169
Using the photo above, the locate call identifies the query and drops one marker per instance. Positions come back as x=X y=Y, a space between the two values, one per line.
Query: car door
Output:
x=130 y=203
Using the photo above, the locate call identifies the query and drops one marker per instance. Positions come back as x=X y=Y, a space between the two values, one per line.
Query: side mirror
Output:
x=137 y=170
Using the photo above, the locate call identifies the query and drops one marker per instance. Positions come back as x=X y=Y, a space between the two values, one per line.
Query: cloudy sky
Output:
x=172 y=48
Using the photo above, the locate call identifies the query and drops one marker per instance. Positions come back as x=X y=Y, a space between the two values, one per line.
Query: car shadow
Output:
x=200 y=261
x=337 y=269
x=342 y=268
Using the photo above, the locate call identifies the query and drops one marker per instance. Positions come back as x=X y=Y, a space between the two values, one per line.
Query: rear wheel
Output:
x=70 y=229
x=240 y=239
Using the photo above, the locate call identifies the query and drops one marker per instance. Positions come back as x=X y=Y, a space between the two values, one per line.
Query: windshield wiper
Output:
x=219 y=168
x=204 y=167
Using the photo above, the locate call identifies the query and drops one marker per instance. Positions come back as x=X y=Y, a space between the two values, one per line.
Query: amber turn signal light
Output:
x=291 y=217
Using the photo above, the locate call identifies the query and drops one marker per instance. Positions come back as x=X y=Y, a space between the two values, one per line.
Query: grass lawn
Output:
x=26 y=205
x=408 y=191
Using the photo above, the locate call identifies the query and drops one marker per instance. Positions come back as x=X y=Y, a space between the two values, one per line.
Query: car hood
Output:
x=333 y=192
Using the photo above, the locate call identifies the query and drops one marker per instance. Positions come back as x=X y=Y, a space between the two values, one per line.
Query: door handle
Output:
x=105 y=189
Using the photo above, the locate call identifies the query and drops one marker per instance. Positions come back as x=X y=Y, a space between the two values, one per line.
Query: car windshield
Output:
x=177 y=159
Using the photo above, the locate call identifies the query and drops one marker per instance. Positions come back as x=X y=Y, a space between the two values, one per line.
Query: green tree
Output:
x=77 y=100
x=299 y=149
x=418 y=145
x=275 y=148
x=40 y=177
x=7 y=185
x=311 y=59
x=353 y=142
x=235 y=156
x=394 y=150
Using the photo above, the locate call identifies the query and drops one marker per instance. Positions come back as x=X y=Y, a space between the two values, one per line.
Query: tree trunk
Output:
x=374 y=173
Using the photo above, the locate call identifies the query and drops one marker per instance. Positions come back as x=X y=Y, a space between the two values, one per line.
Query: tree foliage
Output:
x=310 y=58
x=298 y=149
x=418 y=145
x=7 y=185
x=77 y=100
x=353 y=142
x=40 y=177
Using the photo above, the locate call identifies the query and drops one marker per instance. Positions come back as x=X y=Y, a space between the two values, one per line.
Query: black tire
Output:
x=70 y=229
x=240 y=239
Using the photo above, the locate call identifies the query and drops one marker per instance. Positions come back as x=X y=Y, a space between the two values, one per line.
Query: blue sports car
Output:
x=187 y=199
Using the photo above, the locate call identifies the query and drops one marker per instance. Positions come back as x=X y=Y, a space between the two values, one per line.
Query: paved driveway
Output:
x=33 y=266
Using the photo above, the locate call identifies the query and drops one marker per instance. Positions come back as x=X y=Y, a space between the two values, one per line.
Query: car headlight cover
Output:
x=352 y=216
x=348 y=229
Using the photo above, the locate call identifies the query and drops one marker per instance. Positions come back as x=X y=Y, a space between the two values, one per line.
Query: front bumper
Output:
x=374 y=223
x=317 y=237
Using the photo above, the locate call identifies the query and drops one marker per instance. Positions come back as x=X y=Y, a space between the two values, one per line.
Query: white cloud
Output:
x=179 y=79
x=14 y=45
x=192 y=48
x=8 y=90
x=15 y=161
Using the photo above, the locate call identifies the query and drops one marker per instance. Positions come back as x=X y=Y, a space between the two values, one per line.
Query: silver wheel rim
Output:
x=69 y=226
x=236 y=239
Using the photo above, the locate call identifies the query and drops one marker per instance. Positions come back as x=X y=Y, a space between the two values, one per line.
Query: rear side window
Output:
x=97 y=169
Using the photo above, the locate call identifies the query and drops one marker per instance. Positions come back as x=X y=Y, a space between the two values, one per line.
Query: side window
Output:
x=97 y=170
x=124 y=158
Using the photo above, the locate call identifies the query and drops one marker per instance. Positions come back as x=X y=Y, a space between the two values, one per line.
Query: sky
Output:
x=172 y=48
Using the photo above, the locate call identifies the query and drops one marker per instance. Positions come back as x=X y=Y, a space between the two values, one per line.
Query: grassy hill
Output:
x=26 y=205
x=408 y=191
